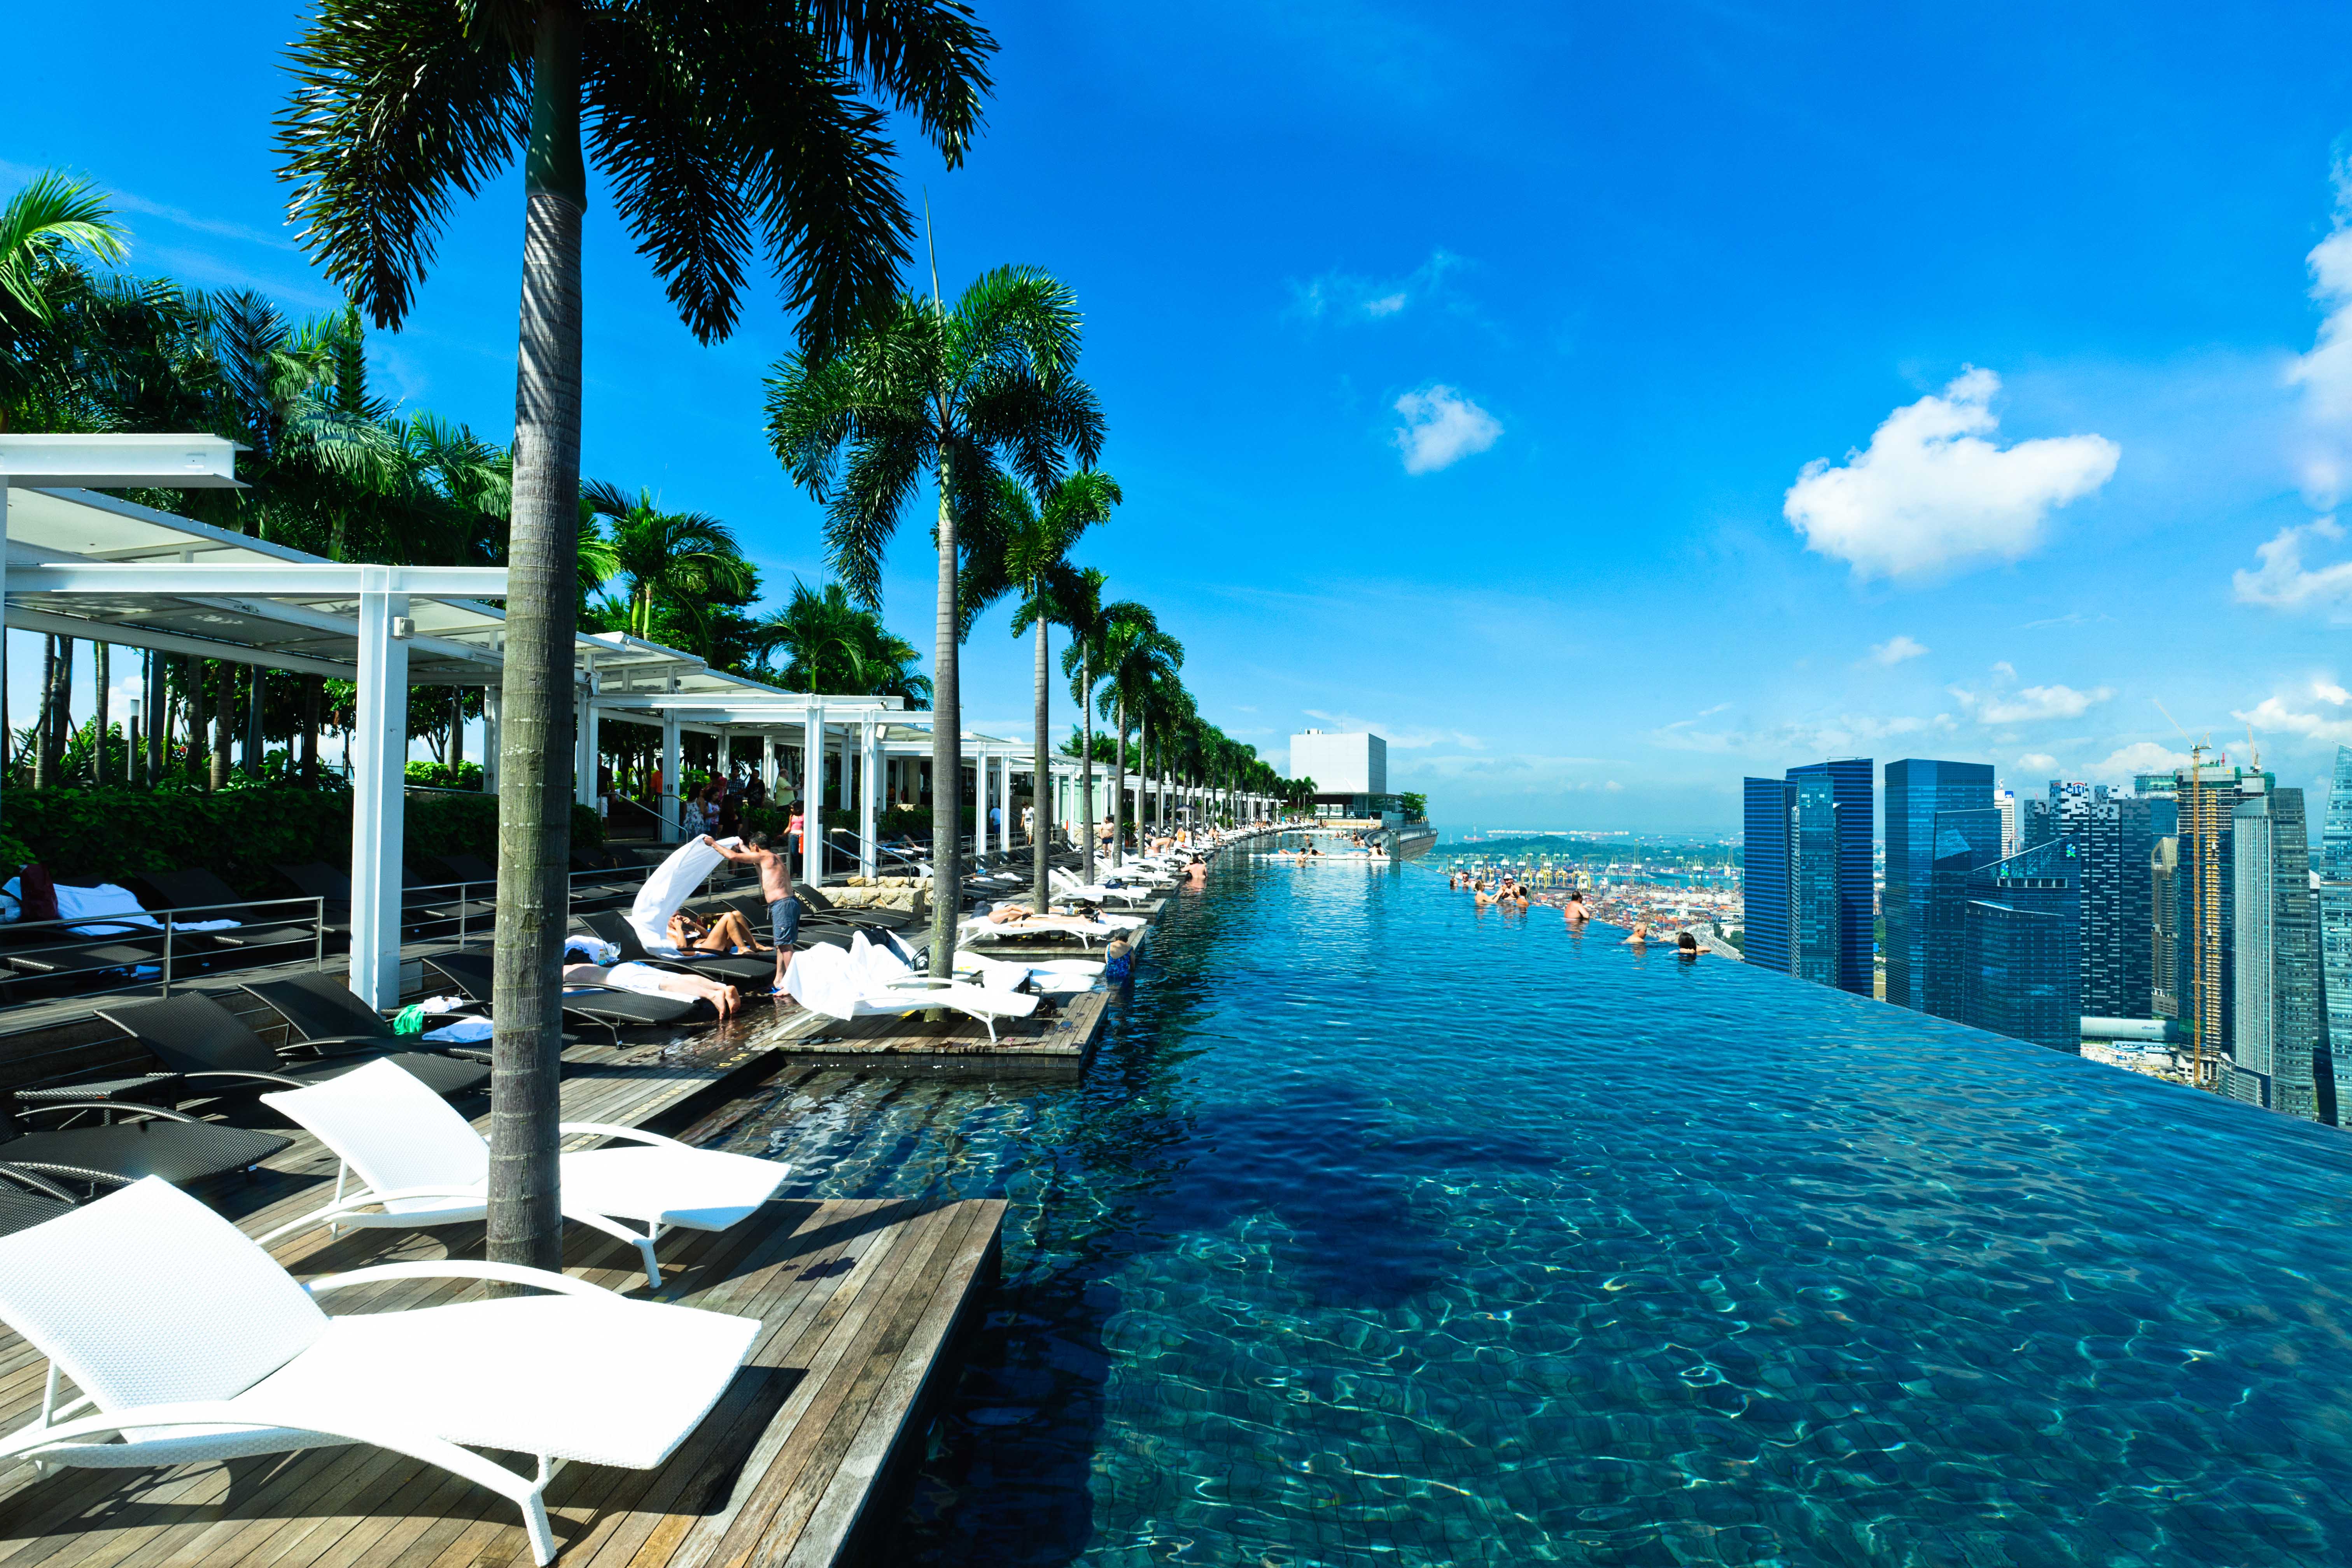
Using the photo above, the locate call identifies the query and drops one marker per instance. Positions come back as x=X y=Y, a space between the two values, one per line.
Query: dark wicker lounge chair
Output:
x=607 y=1009
x=744 y=969
x=323 y=1011
x=151 y=1142
x=196 y=1036
x=27 y=1199
x=195 y=888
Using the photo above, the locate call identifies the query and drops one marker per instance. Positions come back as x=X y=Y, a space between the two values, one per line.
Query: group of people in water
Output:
x=1507 y=892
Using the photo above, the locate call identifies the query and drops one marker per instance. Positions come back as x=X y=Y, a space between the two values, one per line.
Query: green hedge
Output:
x=86 y=837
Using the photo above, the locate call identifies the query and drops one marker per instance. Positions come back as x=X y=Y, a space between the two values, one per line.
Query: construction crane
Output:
x=2204 y=901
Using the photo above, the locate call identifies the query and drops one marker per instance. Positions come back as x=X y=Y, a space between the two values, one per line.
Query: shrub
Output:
x=86 y=837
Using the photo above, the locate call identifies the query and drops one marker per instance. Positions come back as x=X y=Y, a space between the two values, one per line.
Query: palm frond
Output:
x=396 y=105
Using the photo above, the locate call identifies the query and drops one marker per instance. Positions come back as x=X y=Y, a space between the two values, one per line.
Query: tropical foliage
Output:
x=831 y=645
x=956 y=397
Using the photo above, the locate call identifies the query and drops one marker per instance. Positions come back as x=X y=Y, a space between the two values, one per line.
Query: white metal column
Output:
x=870 y=788
x=590 y=729
x=980 y=803
x=768 y=763
x=490 y=740
x=667 y=804
x=813 y=794
x=380 y=756
x=1004 y=825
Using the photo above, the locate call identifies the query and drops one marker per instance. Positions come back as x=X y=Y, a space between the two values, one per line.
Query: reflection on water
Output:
x=1385 y=1232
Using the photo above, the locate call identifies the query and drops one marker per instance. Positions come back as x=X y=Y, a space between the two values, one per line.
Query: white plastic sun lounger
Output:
x=187 y=1342
x=1067 y=887
x=1051 y=976
x=423 y=1164
x=829 y=981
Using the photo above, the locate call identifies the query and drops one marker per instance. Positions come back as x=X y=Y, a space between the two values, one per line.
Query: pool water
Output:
x=1384 y=1231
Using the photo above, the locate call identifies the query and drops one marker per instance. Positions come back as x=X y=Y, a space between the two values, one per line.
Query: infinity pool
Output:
x=1384 y=1232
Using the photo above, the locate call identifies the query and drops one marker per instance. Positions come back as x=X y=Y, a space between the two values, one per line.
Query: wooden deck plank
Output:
x=846 y=1290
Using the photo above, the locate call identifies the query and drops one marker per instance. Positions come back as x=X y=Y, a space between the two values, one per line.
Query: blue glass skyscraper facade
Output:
x=1853 y=791
x=2021 y=950
x=1816 y=931
x=1966 y=842
x=1764 y=873
x=1919 y=790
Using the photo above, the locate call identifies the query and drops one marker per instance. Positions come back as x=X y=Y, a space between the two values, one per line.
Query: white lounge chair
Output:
x=828 y=980
x=1067 y=887
x=423 y=1164
x=1051 y=976
x=186 y=1342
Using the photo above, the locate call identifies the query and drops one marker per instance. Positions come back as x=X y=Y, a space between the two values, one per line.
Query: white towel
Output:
x=591 y=951
x=672 y=883
x=465 y=1031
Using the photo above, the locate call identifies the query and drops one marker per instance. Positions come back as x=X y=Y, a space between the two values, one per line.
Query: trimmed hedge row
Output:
x=85 y=836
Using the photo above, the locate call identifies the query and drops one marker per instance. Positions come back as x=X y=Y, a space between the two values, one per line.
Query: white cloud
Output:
x=1343 y=297
x=2283 y=583
x=2030 y=705
x=2324 y=375
x=1932 y=492
x=1613 y=787
x=1837 y=736
x=2285 y=714
x=1441 y=427
x=1896 y=649
x=2139 y=757
x=2037 y=761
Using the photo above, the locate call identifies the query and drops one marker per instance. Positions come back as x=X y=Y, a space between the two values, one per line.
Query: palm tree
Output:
x=743 y=132
x=1028 y=551
x=682 y=556
x=947 y=395
x=1137 y=656
x=831 y=646
x=1089 y=622
x=40 y=228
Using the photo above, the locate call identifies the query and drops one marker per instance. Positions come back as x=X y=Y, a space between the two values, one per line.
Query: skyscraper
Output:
x=2335 y=900
x=2118 y=834
x=1966 y=842
x=1807 y=872
x=2205 y=901
x=1764 y=873
x=2063 y=811
x=2275 y=972
x=2163 y=944
x=2021 y=947
x=1816 y=930
x=1918 y=791
x=1852 y=791
x=2005 y=802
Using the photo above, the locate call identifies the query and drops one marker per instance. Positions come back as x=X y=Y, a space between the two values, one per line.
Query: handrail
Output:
x=879 y=848
x=84 y=930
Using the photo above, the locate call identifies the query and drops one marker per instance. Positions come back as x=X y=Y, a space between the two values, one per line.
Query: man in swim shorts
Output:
x=776 y=887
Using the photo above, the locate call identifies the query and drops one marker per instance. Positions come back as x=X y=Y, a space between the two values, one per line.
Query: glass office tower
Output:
x=1966 y=842
x=1816 y=936
x=1919 y=790
x=1853 y=791
x=1764 y=873
x=2119 y=834
x=2021 y=961
x=2334 y=896
x=2277 y=1035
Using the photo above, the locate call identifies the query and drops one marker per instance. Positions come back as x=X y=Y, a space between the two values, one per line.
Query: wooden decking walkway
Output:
x=863 y=1304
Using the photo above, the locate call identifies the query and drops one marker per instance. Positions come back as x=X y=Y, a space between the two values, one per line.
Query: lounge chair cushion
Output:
x=516 y=1374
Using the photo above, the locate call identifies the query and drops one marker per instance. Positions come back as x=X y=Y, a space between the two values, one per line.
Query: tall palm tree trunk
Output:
x=1086 y=765
x=535 y=715
x=101 y=672
x=947 y=751
x=217 y=778
x=1039 y=793
x=1118 y=790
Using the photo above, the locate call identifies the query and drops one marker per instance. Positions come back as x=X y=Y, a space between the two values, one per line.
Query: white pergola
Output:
x=90 y=567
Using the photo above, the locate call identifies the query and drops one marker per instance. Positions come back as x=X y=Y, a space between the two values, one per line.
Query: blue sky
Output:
x=1604 y=403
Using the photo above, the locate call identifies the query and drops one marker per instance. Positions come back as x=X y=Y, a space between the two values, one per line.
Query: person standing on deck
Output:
x=776 y=887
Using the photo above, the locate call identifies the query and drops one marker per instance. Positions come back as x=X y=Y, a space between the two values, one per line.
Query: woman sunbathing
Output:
x=725 y=1000
x=729 y=934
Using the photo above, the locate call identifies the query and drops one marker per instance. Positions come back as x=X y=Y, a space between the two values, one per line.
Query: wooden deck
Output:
x=957 y=1047
x=863 y=1304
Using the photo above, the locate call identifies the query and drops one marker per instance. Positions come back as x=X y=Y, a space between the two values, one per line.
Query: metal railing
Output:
x=163 y=963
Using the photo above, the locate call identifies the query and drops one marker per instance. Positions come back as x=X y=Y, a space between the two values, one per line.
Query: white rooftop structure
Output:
x=1341 y=763
x=90 y=566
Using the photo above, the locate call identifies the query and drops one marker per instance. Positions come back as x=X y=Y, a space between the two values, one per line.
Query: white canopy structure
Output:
x=86 y=566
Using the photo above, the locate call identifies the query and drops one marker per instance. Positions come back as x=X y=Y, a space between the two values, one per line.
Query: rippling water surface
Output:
x=1382 y=1232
